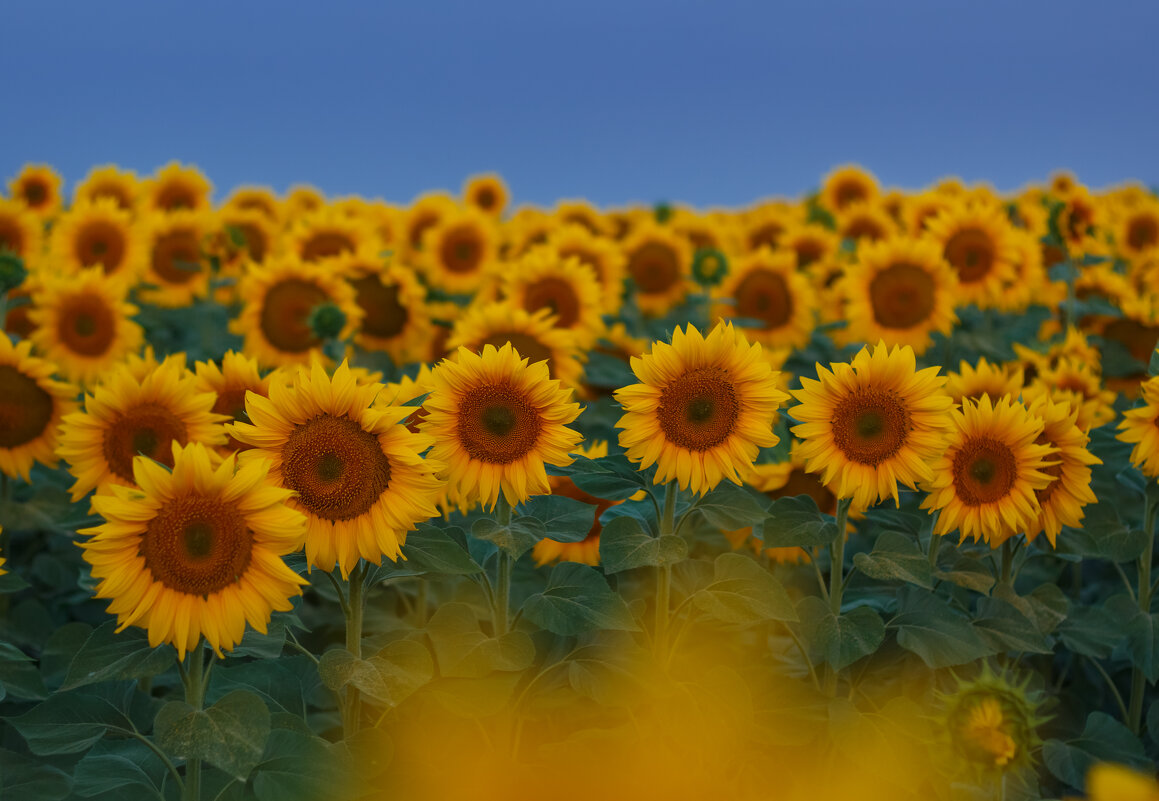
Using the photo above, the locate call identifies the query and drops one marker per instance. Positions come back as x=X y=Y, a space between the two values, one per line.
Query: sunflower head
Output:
x=177 y=188
x=973 y=381
x=848 y=185
x=257 y=199
x=459 y=249
x=32 y=405
x=110 y=182
x=20 y=231
x=99 y=233
x=767 y=287
x=38 y=188
x=659 y=262
x=600 y=255
x=709 y=266
x=975 y=241
x=487 y=193
x=534 y=335
x=992 y=723
x=564 y=288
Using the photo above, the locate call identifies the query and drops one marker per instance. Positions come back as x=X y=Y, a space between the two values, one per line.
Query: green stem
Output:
x=352 y=703
x=837 y=580
x=421 y=604
x=501 y=608
x=195 y=697
x=664 y=575
x=935 y=543
x=1138 y=678
x=1007 y=561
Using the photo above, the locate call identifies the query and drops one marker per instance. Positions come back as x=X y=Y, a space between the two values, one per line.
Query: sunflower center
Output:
x=764 y=295
x=902 y=295
x=1143 y=232
x=808 y=252
x=148 y=430
x=766 y=235
x=698 y=410
x=497 y=423
x=284 y=313
x=984 y=471
x=419 y=226
x=255 y=240
x=337 y=468
x=325 y=244
x=557 y=295
x=485 y=198
x=384 y=316
x=654 y=267
x=101 y=242
x=86 y=325
x=35 y=193
x=177 y=256
x=1141 y=340
x=870 y=426
x=971 y=252
x=25 y=408
x=176 y=196
x=849 y=192
x=113 y=192
x=462 y=251
x=197 y=545
x=11 y=237
x=585 y=257
x=863 y=227
x=526 y=346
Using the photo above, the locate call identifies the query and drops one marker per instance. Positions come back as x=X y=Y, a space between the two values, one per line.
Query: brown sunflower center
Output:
x=197 y=545
x=255 y=240
x=971 y=253
x=114 y=192
x=11 y=236
x=766 y=235
x=764 y=295
x=654 y=267
x=808 y=252
x=149 y=430
x=100 y=242
x=585 y=256
x=870 y=425
x=35 y=193
x=526 y=345
x=384 y=315
x=177 y=256
x=25 y=408
x=174 y=196
x=86 y=325
x=485 y=198
x=418 y=227
x=337 y=468
x=287 y=306
x=698 y=410
x=497 y=423
x=1141 y=340
x=557 y=295
x=462 y=252
x=1143 y=232
x=984 y=470
x=848 y=193
x=902 y=295
x=864 y=227
x=325 y=244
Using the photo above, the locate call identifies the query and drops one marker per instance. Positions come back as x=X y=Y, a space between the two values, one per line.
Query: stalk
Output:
x=352 y=702
x=195 y=697
x=502 y=607
x=664 y=573
x=1138 y=678
x=837 y=579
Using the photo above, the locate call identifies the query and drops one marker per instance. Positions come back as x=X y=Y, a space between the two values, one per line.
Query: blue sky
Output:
x=711 y=103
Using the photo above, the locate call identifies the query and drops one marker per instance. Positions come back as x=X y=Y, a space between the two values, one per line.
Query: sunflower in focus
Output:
x=230 y=380
x=704 y=407
x=659 y=263
x=1063 y=499
x=487 y=193
x=973 y=381
x=496 y=421
x=395 y=318
x=459 y=250
x=38 y=188
x=20 y=231
x=101 y=234
x=974 y=242
x=256 y=199
x=600 y=255
x=277 y=301
x=110 y=182
x=565 y=288
x=587 y=550
x=196 y=551
x=124 y=417
x=355 y=470
x=848 y=185
x=82 y=324
x=865 y=222
x=767 y=287
x=984 y=481
x=176 y=188
x=899 y=291
x=534 y=336
x=177 y=268
x=32 y=404
x=870 y=423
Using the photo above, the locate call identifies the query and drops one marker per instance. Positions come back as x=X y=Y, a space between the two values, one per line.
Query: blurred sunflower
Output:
x=425 y=213
x=1080 y=217
x=99 y=234
x=177 y=269
x=302 y=199
x=870 y=423
x=1029 y=279
x=195 y=552
x=659 y=262
x=230 y=380
x=846 y=186
x=110 y=182
x=1107 y=781
x=1078 y=382
x=20 y=231
x=764 y=226
x=973 y=381
x=257 y=199
x=1140 y=427
x=921 y=208
x=600 y=255
x=1137 y=231
x=32 y=404
x=246 y=236
x=974 y=241
x=458 y=251
x=1063 y=499
x=395 y=318
x=487 y=193
x=355 y=469
x=564 y=287
x=328 y=234
x=766 y=286
x=865 y=222
x=176 y=188
x=37 y=186
x=124 y=417
x=581 y=213
x=810 y=243
x=82 y=323
x=496 y=421
x=534 y=336
x=704 y=407
x=984 y=481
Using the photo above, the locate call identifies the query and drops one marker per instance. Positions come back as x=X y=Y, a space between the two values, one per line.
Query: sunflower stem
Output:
x=837 y=557
x=502 y=607
x=1138 y=678
x=664 y=574
x=352 y=702
x=1007 y=562
x=195 y=697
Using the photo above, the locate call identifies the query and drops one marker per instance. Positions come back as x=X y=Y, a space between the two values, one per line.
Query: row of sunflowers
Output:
x=365 y=485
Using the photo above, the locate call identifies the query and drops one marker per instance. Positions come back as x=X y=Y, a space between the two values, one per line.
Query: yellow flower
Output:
x=1110 y=782
x=587 y=550
x=534 y=336
x=302 y=199
x=997 y=381
x=846 y=186
x=602 y=256
x=1063 y=499
x=176 y=188
x=659 y=263
x=31 y=407
x=487 y=193
x=458 y=250
x=230 y=381
x=327 y=234
x=195 y=552
x=865 y=222
x=424 y=214
x=110 y=182
x=395 y=318
x=768 y=287
x=985 y=729
x=20 y=231
x=1078 y=382
x=810 y=243
x=975 y=242
x=1140 y=427
x=256 y=199
x=564 y=287
x=99 y=233
x=704 y=407
x=38 y=188
x=178 y=270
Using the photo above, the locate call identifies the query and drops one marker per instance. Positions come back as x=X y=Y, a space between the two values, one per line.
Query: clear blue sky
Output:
x=613 y=100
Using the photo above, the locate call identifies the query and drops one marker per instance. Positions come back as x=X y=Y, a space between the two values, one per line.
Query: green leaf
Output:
x=432 y=550
x=612 y=478
x=123 y=766
x=1091 y=631
x=968 y=572
x=1153 y=722
x=1046 y=606
x=742 y=591
x=1153 y=365
x=19 y=676
x=70 y=722
x=107 y=655
x=604 y=675
x=389 y=676
x=300 y=767
x=564 y=519
x=1005 y=628
x=463 y=650
x=25 y=779
x=896 y=557
x=840 y=640
x=729 y=507
x=1104 y=739
x=577 y=599
x=625 y=545
x=1141 y=631
x=516 y=539
x=941 y=636
x=1105 y=535
x=263 y=646
x=797 y=521
x=230 y=735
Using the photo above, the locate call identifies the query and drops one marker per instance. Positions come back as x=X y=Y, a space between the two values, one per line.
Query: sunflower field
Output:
x=325 y=499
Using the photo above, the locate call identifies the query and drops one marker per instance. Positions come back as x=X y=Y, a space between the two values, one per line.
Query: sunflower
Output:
x=1078 y=382
x=1030 y=277
x=230 y=380
x=600 y=255
x=922 y=208
x=195 y=551
x=534 y=336
x=846 y=186
x=328 y=234
x=703 y=408
x=1138 y=231
x=178 y=268
x=899 y=291
x=124 y=417
x=257 y=199
x=583 y=214
x=1063 y=499
x=659 y=262
x=565 y=288
x=1107 y=781
x=984 y=482
x=1140 y=426
x=975 y=242
x=20 y=231
x=528 y=228
x=865 y=222
x=31 y=407
x=443 y=314
x=38 y=188
x=302 y=199
x=82 y=323
x=424 y=214
x=587 y=550
x=356 y=471
x=277 y=299
x=458 y=250
x=395 y=318
x=868 y=424
x=243 y=237
x=1080 y=217
x=811 y=243
x=765 y=226
x=972 y=382
x=176 y=188
x=487 y=193
x=99 y=233
x=109 y=183
x=767 y=286
x=711 y=231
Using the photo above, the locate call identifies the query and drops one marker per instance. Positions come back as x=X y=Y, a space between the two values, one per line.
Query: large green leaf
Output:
x=564 y=519
x=230 y=735
x=70 y=722
x=796 y=521
x=613 y=477
x=1141 y=632
x=729 y=507
x=25 y=779
x=19 y=677
x=1005 y=628
x=839 y=640
x=516 y=538
x=1091 y=631
x=463 y=650
x=625 y=545
x=300 y=767
x=389 y=676
x=577 y=598
x=127 y=767
x=742 y=591
x=896 y=557
x=432 y=549
x=941 y=636
x=107 y=655
x=1104 y=739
